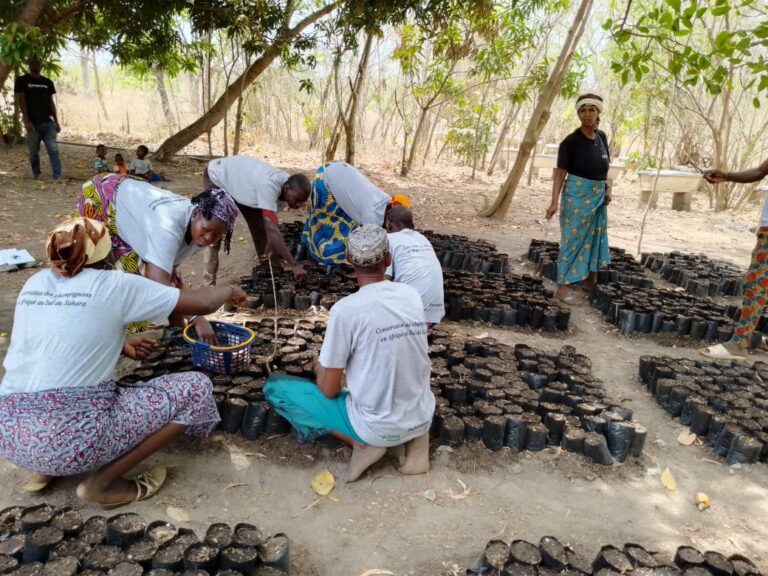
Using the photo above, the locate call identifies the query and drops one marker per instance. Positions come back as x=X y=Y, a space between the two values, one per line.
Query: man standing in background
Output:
x=34 y=96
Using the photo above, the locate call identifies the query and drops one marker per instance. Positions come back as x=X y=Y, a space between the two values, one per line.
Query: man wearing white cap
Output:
x=377 y=336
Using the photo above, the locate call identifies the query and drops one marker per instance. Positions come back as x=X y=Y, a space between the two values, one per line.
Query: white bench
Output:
x=681 y=184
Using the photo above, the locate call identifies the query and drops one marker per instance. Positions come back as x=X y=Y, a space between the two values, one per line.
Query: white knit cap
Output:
x=367 y=245
x=589 y=102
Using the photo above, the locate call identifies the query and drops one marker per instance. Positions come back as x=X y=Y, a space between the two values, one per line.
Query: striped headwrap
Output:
x=216 y=203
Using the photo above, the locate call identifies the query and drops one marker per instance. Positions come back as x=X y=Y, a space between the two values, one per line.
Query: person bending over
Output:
x=61 y=413
x=414 y=262
x=342 y=198
x=756 y=278
x=257 y=188
x=378 y=337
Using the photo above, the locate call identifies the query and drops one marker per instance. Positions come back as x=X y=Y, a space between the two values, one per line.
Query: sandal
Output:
x=720 y=352
x=37 y=483
x=147 y=485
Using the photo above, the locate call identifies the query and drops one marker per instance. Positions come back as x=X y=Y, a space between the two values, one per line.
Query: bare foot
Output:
x=416 y=456
x=362 y=458
x=398 y=453
x=117 y=492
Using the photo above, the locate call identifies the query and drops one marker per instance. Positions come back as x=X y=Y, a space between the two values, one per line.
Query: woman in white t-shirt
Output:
x=61 y=413
x=154 y=230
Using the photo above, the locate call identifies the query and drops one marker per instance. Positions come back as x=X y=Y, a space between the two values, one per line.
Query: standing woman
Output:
x=582 y=163
x=154 y=230
x=61 y=414
x=341 y=200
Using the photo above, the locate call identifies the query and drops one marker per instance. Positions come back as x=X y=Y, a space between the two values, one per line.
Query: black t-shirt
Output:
x=37 y=92
x=583 y=157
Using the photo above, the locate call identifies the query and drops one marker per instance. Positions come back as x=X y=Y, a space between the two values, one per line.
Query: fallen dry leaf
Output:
x=668 y=480
x=463 y=494
x=323 y=483
x=686 y=437
x=177 y=514
x=377 y=572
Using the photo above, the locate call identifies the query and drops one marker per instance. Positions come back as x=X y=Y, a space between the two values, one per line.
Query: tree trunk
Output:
x=431 y=136
x=164 y=100
x=511 y=117
x=417 y=135
x=216 y=112
x=238 y=125
x=341 y=112
x=29 y=15
x=350 y=123
x=84 y=61
x=540 y=114
x=316 y=137
x=97 y=82
x=477 y=130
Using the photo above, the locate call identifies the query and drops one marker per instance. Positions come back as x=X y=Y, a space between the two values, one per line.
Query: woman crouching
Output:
x=61 y=414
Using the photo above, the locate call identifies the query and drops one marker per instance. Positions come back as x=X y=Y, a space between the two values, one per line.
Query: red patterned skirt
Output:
x=67 y=431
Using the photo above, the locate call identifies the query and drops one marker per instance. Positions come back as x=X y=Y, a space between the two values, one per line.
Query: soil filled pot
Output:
x=124 y=529
x=36 y=517
x=103 y=558
x=276 y=552
x=64 y=566
x=142 y=552
x=169 y=557
x=201 y=557
x=40 y=542
x=247 y=535
x=126 y=568
x=241 y=559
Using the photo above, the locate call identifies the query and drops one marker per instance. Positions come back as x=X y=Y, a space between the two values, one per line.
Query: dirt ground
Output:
x=437 y=524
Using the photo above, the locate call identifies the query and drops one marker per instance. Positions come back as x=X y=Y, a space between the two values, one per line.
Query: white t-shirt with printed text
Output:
x=69 y=332
x=357 y=196
x=154 y=223
x=415 y=263
x=379 y=336
x=251 y=182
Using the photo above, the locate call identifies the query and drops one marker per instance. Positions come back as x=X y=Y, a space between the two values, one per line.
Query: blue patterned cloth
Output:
x=584 y=230
x=310 y=412
x=327 y=226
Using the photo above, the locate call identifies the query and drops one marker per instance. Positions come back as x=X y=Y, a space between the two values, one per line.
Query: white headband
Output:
x=589 y=102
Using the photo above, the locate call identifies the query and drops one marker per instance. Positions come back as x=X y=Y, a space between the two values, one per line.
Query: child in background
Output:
x=143 y=168
x=120 y=167
x=100 y=162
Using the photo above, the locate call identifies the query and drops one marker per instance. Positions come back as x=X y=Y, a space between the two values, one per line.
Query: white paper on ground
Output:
x=15 y=257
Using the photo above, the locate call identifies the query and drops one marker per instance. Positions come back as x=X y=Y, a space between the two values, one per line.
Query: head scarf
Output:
x=400 y=200
x=367 y=245
x=587 y=101
x=223 y=207
x=77 y=242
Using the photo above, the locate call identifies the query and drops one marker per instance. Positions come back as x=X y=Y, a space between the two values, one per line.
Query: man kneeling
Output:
x=378 y=335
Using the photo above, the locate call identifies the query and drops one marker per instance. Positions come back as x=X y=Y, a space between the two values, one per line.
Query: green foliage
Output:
x=697 y=41
x=10 y=120
x=469 y=114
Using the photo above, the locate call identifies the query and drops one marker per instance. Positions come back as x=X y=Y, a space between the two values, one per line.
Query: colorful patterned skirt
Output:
x=583 y=229
x=67 y=431
x=97 y=201
x=327 y=226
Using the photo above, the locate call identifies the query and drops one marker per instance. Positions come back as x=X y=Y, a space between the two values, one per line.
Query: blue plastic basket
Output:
x=231 y=355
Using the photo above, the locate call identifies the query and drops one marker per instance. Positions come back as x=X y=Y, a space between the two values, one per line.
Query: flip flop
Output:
x=148 y=483
x=38 y=483
x=720 y=352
